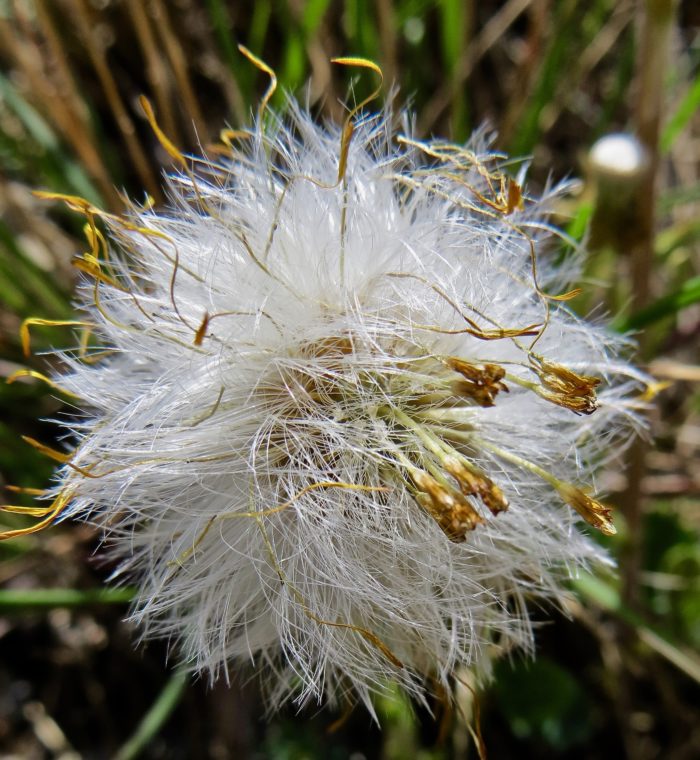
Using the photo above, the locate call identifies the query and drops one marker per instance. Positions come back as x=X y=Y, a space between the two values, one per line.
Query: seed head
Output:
x=327 y=399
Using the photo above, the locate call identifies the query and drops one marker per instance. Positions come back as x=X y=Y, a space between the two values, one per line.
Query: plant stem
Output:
x=652 y=58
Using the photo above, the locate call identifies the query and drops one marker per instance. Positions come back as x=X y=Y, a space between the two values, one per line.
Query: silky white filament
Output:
x=338 y=428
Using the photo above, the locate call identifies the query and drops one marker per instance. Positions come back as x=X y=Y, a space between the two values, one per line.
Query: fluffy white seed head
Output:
x=332 y=426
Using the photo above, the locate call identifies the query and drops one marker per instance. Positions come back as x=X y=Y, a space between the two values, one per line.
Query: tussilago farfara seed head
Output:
x=337 y=420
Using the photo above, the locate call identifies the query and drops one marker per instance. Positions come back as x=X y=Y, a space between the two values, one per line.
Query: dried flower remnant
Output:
x=311 y=431
x=564 y=387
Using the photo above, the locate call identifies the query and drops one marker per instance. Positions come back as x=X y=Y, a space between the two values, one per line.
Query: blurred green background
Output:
x=618 y=675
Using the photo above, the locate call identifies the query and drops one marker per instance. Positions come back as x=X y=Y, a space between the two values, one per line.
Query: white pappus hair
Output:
x=333 y=422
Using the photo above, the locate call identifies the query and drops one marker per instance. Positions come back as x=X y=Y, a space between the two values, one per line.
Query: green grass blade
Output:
x=20 y=600
x=241 y=71
x=24 y=286
x=156 y=717
x=361 y=28
x=678 y=196
x=314 y=11
x=452 y=28
x=259 y=25
x=606 y=596
x=559 y=51
x=680 y=235
x=294 y=66
x=665 y=306
x=62 y=172
x=221 y=21
x=451 y=23
x=677 y=123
